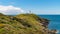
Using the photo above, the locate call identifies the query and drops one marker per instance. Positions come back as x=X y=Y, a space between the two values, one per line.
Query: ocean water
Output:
x=54 y=22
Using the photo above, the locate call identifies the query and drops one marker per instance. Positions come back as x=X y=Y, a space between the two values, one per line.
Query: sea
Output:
x=54 y=22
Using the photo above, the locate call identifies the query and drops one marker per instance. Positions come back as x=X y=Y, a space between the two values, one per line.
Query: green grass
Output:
x=21 y=24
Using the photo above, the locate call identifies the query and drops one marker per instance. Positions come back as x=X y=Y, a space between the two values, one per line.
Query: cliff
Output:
x=24 y=24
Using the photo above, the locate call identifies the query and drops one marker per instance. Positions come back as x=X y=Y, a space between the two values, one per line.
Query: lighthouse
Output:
x=30 y=12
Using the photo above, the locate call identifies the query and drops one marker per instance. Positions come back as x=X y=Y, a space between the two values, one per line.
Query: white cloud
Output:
x=10 y=10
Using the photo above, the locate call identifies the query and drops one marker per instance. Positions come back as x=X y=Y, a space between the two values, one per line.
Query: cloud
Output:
x=10 y=10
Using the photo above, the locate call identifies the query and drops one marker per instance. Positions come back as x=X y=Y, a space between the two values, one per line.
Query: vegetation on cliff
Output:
x=23 y=24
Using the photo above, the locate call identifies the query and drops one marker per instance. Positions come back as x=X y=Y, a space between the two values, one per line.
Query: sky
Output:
x=43 y=7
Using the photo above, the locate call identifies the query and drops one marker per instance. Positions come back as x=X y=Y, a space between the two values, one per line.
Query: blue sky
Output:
x=36 y=6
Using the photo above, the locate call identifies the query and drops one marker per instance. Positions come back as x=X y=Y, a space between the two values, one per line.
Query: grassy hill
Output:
x=23 y=24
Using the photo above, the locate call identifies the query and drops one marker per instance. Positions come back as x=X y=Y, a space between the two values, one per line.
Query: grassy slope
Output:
x=21 y=24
